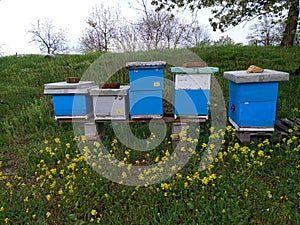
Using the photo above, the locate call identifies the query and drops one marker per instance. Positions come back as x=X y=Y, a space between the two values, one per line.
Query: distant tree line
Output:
x=156 y=28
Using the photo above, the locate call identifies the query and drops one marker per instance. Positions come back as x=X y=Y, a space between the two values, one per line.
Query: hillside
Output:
x=45 y=179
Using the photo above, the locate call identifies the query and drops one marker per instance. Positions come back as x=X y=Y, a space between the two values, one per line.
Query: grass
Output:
x=46 y=179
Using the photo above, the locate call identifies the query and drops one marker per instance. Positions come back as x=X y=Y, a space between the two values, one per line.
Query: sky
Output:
x=17 y=17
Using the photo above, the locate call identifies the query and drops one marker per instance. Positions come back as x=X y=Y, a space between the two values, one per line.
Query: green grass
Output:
x=45 y=179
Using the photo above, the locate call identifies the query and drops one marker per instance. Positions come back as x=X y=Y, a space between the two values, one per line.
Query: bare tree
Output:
x=102 y=29
x=265 y=32
x=197 y=35
x=162 y=29
x=48 y=38
x=127 y=39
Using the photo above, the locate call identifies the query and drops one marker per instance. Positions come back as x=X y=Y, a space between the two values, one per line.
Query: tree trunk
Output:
x=291 y=25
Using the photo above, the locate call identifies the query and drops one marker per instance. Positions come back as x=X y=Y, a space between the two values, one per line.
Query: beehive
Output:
x=192 y=91
x=110 y=104
x=70 y=100
x=253 y=99
x=146 y=89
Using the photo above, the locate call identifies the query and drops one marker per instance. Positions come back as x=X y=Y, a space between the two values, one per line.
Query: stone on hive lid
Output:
x=255 y=69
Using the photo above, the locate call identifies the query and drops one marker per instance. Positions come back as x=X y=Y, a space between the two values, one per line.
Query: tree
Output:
x=232 y=13
x=161 y=29
x=224 y=41
x=102 y=30
x=198 y=35
x=265 y=32
x=48 y=38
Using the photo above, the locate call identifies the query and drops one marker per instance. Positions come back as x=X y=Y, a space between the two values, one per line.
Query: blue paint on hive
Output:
x=253 y=104
x=191 y=102
x=72 y=105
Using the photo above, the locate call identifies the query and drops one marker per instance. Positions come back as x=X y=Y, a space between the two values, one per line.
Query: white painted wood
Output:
x=192 y=81
x=266 y=129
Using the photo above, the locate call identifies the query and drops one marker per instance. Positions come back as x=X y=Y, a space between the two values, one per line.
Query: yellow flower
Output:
x=57 y=140
x=6 y=220
x=246 y=192
x=60 y=192
x=269 y=194
x=26 y=199
x=9 y=185
x=167 y=153
x=48 y=197
x=261 y=153
x=204 y=180
x=186 y=184
x=46 y=142
x=68 y=145
x=2 y=209
x=67 y=156
x=94 y=212
x=48 y=214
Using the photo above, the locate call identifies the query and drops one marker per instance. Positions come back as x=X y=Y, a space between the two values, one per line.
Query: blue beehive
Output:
x=70 y=100
x=192 y=91
x=253 y=99
x=146 y=89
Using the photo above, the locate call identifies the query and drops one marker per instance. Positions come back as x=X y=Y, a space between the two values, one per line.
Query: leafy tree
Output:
x=103 y=24
x=232 y=13
x=48 y=38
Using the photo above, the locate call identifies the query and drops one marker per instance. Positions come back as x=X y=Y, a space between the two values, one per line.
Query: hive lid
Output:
x=123 y=90
x=144 y=64
x=266 y=76
x=65 y=85
x=194 y=70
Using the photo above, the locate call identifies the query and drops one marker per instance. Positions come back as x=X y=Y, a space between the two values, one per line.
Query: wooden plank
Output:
x=279 y=124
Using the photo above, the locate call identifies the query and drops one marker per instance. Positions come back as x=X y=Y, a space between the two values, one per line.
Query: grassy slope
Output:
x=27 y=119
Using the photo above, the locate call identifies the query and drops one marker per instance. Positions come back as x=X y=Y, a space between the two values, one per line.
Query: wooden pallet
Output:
x=282 y=127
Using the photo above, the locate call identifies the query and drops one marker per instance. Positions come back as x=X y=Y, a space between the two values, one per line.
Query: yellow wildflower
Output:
x=269 y=194
x=94 y=212
x=48 y=214
x=57 y=140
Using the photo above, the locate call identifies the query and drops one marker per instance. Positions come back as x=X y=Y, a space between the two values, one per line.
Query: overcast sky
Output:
x=16 y=17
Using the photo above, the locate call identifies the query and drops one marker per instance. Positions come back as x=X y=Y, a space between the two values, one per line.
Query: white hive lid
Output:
x=267 y=75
